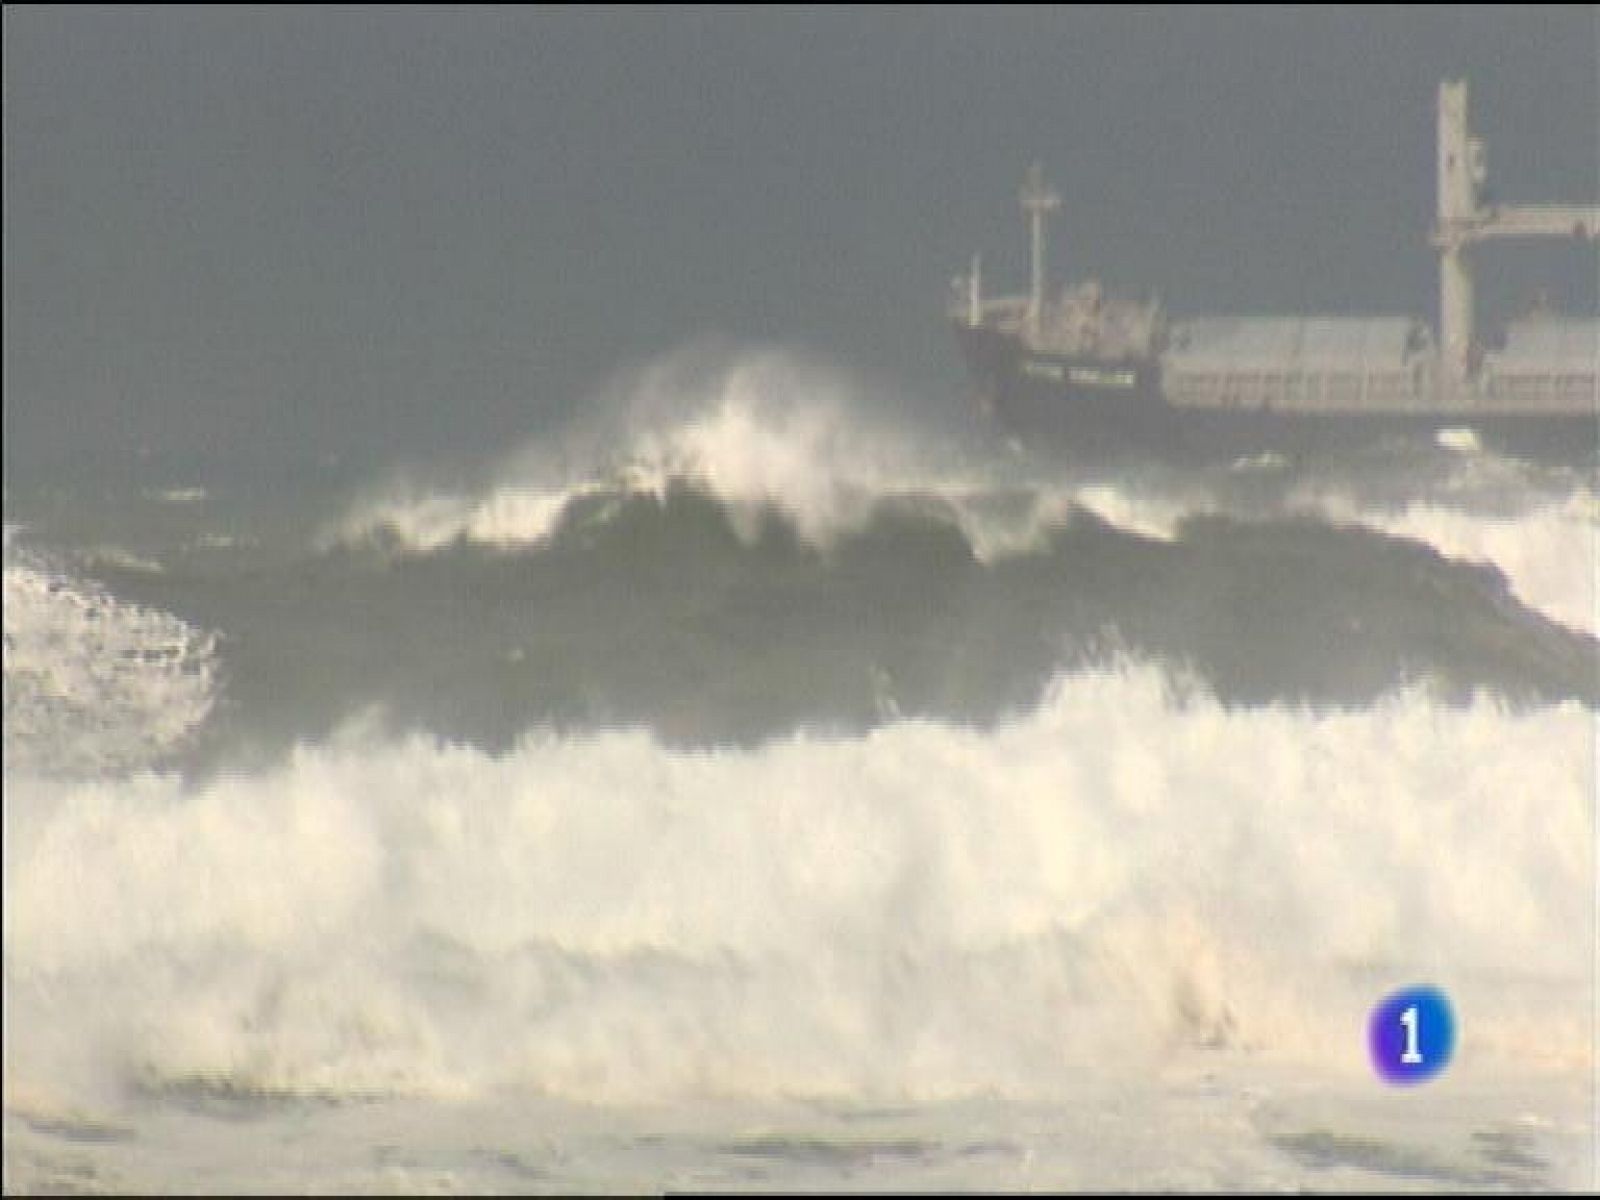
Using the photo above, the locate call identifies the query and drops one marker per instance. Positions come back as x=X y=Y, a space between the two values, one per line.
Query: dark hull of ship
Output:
x=1080 y=406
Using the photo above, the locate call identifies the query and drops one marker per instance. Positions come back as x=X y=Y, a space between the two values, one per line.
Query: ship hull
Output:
x=1080 y=406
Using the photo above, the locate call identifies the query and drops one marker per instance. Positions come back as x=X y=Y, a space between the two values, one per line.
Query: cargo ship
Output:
x=1088 y=374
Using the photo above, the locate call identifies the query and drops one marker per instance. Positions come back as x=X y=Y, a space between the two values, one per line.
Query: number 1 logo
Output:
x=1411 y=1035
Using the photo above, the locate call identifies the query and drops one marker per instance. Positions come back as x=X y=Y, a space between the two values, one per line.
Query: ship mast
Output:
x=1039 y=199
x=1463 y=220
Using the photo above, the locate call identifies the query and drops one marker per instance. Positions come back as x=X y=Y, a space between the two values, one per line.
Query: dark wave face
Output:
x=657 y=611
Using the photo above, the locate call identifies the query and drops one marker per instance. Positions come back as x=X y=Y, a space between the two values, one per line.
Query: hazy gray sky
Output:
x=240 y=237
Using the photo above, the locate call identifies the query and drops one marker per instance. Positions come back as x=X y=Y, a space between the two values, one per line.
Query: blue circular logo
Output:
x=1412 y=1035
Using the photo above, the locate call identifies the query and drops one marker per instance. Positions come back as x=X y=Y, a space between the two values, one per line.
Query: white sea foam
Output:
x=1003 y=522
x=769 y=429
x=121 y=558
x=421 y=520
x=1548 y=549
x=178 y=495
x=1461 y=439
x=759 y=430
x=1549 y=555
x=92 y=683
x=1118 y=880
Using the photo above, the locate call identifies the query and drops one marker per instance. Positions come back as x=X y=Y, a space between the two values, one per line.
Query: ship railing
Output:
x=1009 y=313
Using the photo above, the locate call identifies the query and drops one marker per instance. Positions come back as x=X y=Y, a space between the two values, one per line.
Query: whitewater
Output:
x=751 y=788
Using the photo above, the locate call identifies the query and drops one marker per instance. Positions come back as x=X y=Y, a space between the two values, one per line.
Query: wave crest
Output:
x=94 y=684
x=926 y=911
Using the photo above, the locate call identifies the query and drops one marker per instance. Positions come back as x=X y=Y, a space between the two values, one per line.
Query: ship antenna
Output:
x=1039 y=199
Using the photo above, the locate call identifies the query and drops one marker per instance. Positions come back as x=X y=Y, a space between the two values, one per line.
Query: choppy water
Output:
x=750 y=791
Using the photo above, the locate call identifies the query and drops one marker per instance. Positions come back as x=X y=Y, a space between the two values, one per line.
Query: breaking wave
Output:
x=1128 y=875
x=738 y=746
x=762 y=432
x=94 y=684
x=1548 y=551
x=767 y=432
x=658 y=613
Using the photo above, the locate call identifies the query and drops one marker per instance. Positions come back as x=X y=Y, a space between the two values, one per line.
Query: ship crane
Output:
x=1464 y=221
x=1039 y=200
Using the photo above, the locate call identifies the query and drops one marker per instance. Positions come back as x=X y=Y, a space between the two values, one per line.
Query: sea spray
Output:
x=927 y=911
x=94 y=684
x=772 y=431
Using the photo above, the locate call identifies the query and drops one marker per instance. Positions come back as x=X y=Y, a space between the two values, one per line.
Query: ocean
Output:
x=750 y=786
